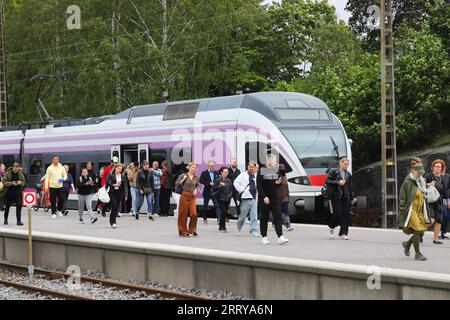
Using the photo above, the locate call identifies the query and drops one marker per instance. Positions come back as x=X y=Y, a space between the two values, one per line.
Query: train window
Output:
x=178 y=167
x=303 y=114
x=84 y=165
x=256 y=151
x=295 y=103
x=188 y=111
x=8 y=160
x=36 y=169
x=72 y=169
x=181 y=111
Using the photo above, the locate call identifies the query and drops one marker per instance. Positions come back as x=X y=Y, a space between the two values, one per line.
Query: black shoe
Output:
x=444 y=237
x=5 y=223
x=437 y=242
x=103 y=214
x=66 y=212
x=94 y=220
x=151 y=218
x=19 y=223
x=136 y=216
x=195 y=234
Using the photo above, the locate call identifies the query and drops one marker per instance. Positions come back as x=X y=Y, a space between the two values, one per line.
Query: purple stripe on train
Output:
x=139 y=134
x=133 y=134
x=10 y=141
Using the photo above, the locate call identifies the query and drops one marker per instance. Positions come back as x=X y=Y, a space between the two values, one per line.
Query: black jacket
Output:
x=224 y=192
x=437 y=208
x=111 y=179
x=205 y=179
x=265 y=183
x=84 y=189
x=145 y=182
x=337 y=191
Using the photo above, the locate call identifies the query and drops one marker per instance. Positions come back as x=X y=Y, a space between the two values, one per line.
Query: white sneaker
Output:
x=132 y=213
x=114 y=226
x=53 y=216
x=255 y=234
x=156 y=215
x=265 y=240
x=60 y=214
x=119 y=214
x=81 y=221
x=289 y=229
x=238 y=232
x=345 y=237
x=282 y=240
x=331 y=232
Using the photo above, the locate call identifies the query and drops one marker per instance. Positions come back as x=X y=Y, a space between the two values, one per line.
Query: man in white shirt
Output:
x=245 y=184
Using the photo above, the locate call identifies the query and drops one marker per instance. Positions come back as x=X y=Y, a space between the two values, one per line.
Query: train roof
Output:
x=265 y=103
x=269 y=104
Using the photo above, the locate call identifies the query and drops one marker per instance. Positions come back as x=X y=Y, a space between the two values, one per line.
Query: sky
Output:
x=338 y=4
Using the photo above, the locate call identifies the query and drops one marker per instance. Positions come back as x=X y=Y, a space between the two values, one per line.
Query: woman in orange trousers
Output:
x=188 y=183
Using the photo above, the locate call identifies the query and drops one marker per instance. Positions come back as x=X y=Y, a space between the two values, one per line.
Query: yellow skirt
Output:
x=417 y=219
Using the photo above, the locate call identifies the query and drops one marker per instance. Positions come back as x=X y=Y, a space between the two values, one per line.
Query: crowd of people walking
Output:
x=259 y=193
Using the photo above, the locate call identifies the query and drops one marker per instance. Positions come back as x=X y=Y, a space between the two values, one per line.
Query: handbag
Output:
x=432 y=194
x=103 y=195
x=147 y=190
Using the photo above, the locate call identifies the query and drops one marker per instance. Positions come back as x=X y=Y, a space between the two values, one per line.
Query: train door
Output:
x=115 y=152
x=143 y=152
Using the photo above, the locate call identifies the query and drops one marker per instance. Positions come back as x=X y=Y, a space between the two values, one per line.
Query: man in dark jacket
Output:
x=207 y=178
x=233 y=173
x=342 y=197
x=14 y=183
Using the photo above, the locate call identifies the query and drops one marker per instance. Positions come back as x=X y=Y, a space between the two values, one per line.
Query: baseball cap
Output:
x=115 y=159
x=419 y=168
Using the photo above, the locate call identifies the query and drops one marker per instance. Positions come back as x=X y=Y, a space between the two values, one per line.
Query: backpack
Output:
x=326 y=189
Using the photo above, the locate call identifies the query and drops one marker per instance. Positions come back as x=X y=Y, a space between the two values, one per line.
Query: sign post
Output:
x=29 y=200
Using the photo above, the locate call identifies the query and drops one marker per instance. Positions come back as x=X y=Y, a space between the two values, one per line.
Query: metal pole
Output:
x=30 y=247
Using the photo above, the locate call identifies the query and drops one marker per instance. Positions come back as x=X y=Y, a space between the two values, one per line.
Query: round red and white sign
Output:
x=29 y=198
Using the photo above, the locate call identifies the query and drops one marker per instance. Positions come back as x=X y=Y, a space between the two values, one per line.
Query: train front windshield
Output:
x=317 y=148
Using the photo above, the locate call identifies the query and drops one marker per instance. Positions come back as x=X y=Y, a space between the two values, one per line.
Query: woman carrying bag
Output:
x=414 y=209
x=116 y=182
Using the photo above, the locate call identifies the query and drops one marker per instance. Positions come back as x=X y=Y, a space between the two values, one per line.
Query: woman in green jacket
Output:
x=414 y=209
x=14 y=183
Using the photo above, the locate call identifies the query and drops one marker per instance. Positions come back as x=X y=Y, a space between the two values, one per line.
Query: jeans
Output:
x=156 y=205
x=205 y=206
x=149 y=198
x=248 y=206
x=341 y=215
x=135 y=200
x=82 y=201
x=66 y=199
x=445 y=219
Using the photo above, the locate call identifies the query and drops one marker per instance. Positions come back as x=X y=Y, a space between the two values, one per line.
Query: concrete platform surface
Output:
x=367 y=247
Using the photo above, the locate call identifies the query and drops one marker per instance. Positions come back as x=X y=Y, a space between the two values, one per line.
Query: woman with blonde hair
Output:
x=131 y=173
x=414 y=210
x=188 y=183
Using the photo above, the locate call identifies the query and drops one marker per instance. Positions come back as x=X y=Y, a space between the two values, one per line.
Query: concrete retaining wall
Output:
x=248 y=275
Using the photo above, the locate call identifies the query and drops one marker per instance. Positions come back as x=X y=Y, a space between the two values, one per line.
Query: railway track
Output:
x=104 y=282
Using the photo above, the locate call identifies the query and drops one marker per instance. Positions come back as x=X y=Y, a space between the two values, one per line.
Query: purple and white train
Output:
x=300 y=128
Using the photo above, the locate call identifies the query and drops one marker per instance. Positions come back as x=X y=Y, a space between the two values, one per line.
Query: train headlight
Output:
x=300 y=181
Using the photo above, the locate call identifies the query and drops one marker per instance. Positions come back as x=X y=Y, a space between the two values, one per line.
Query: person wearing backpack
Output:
x=86 y=188
x=340 y=191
